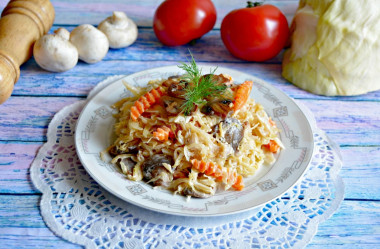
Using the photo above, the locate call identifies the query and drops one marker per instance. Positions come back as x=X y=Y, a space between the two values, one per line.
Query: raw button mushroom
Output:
x=120 y=30
x=92 y=44
x=54 y=52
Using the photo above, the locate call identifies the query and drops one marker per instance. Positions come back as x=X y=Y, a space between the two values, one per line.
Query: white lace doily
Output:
x=77 y=209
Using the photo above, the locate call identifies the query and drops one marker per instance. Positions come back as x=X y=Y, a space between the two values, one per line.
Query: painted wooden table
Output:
x=352 y=122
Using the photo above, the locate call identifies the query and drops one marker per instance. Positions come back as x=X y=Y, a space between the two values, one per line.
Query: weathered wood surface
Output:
x=360 y=172
x=352 y=122
x=20 y=220
x=23 y=119
x=68 y=11
x=147 y=52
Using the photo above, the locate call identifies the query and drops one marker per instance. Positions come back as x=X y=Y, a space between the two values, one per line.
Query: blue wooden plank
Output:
x=35 y=81
x=360 y=171
x=27 y=118
x=21 y=226
x=93 y=11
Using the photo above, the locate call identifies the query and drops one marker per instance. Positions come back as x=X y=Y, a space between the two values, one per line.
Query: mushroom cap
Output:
x=92 y=44
x=232 y=130
x=53 y=52
x=120 y=30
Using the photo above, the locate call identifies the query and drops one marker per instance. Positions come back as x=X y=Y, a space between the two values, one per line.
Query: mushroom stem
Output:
x=64 y=33
x=119 y=19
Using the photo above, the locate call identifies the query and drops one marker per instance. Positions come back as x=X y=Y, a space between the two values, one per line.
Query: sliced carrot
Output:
x=162 y=133
x=239 y=185
x=134 y=113
x=272 y=123
x=146 y=101
x=157 y=93
x=211 y=169
x=242 y=94
x=272 y=146
x=229 y=176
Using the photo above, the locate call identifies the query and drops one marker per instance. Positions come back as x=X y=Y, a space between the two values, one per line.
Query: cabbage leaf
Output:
x=335 y=47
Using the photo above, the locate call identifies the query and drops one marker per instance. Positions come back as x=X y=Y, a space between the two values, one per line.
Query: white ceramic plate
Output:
x=94 y=134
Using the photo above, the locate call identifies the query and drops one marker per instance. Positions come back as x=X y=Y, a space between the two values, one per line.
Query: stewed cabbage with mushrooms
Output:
x=193 y=149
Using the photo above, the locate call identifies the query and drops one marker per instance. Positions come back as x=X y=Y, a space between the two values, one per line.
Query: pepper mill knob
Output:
x=21 y=24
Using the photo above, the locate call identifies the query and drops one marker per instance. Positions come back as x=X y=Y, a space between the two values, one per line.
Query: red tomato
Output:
x=255 y=33
x=177 y=22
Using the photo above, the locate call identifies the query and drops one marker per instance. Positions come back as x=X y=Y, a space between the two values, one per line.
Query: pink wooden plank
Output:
x=79 y=12
x=27 y=118
x=15 y=160
x=346 y=122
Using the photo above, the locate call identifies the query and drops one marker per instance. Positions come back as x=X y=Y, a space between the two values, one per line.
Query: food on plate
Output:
x=335 y=47
x=92 y=44
x=193 y=134
x=255 y=33
x=120 y=30
x=177 y=22
x=54 y=52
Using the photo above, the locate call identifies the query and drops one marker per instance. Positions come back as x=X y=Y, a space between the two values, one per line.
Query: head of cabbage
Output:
x=335 y=47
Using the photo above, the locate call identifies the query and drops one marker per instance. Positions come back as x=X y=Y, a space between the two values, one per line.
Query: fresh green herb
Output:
x=199 y=87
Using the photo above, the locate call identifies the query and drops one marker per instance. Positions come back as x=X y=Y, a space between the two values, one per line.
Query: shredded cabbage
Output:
x=195 y=138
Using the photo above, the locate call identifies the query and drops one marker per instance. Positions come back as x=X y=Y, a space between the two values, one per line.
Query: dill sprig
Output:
x=198 y=88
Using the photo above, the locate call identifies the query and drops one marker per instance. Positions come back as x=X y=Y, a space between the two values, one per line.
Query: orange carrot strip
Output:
x=157 y=94
x=229 y=176
x=272 y=146
x=239 y=185
x=162 y=133
x=140 y=106
x=211 y=169
x=146 y=101
x=149 y=97
x=242 y=94
x=134 y=113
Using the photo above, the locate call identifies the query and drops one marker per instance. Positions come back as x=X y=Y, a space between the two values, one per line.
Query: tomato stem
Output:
x=251 y=4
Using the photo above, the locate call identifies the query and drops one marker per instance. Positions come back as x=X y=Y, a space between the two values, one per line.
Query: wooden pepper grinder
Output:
x=22 y=23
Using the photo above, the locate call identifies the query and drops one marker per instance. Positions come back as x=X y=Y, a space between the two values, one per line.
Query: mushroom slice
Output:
x=231 y=130
x=188 y=191
x=155 y=172
x=124 y=148
x=172 y=105
x=177 y=89
x=202 y=187
x=218 y=107
x=126 y=165
x=219 y=79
